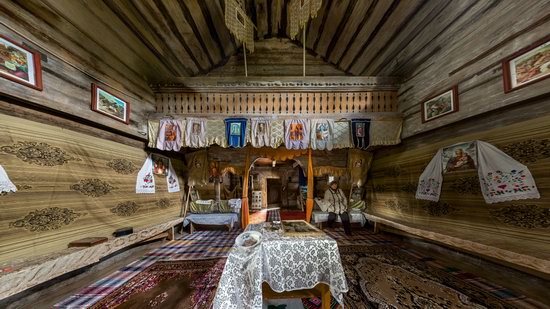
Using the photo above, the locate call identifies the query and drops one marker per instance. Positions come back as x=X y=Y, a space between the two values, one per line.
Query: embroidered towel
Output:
x=170 y=133
x=172 y=179
x=360 y=133
x=235 y=132
x=261 y=132
x=429 y=183
x=145 y=182
x=503 y=178
x=152 y=132
x=297 y=134
x=321 y=134
x=5 y=183
x=195 y=136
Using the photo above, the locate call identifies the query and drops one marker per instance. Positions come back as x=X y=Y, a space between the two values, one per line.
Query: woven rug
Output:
x=169 y=284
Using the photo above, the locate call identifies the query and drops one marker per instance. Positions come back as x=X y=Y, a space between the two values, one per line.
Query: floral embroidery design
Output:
x=396 y=205
x=164 y=203
x=467 y=185
x=93 y=187
x=122 y=166
x=528 y=151
x=379 y=188
x=499 y=183
x=39 y=153
x=46 y=219
x=409 y=187
x=429 y=187
x=125 y=209
x=438 y=209
x=523 y=216
x=394 y=171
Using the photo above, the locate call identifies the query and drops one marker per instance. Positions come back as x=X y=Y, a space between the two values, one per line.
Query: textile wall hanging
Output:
x=360 y=133
x=341 y=135
x=319 y=171
x=216 y=133
x=239 y=24
x=153 y=132
x=5 y=183
x=322 y=131
x=197 y=166
x=297 y=134
x=71 y=184
x=260 y=135
x=501 y=177
x=359 y=162
x=277 y=133
x=170 y=134
x=385 y=131
x=195 y=136
x=145 y=182
x=235 y=132
x=299 y=13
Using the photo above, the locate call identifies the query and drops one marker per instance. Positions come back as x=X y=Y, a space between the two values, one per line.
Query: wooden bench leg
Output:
x=376 y=227
x=191 y=228
x=325 y=296
x=171 y=233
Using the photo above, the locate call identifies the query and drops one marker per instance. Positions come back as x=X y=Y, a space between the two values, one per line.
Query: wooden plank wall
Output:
x=276 y=103
x=464 y=48
x=520 y=229
x=71 y=62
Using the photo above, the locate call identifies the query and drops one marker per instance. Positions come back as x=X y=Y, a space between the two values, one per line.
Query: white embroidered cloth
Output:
x=195 y=133
x=260 y=135
x=285 y=263
x=503 y=178
x=170 y=134
x=145 y=182
x=172 y=179
x=322 y=131
x=5 y=183
x=297 y=133
x=429 y=183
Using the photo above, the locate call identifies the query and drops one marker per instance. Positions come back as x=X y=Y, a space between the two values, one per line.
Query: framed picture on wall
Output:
x=440 y=105
x=528 y=65
x=110 y=105
x=20 y=64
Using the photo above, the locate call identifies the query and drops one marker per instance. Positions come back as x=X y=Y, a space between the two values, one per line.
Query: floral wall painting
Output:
x=460 y=157
x=440 y=105
x=527 y=66
x=20 y=64
x=110 y=105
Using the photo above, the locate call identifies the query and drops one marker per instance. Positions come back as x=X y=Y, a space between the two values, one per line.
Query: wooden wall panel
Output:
x=467 y=53
x=67 y=86
x=71 y=186
x=521 y=227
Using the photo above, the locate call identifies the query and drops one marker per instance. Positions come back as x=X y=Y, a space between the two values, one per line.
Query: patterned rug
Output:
x=169 y=284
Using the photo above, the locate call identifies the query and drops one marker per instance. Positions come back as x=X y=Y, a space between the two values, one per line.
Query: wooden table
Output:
x=320 y=290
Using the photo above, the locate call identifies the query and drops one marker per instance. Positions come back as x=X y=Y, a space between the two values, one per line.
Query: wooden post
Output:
x=245 y=65
x=309 y=202
x=245 y=213
x=304 y=50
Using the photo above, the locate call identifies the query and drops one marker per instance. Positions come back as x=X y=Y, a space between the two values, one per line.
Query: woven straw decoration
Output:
x=239 y=24
x=299 y=12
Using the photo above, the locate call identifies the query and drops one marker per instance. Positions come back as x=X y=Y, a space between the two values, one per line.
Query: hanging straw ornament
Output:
x=239 y=24
x=299 y=13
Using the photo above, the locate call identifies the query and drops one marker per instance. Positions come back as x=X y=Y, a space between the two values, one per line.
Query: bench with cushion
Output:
x=208 y=212
x=355 y=209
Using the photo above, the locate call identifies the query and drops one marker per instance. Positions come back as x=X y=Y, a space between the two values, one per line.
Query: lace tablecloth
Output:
x=285 y=263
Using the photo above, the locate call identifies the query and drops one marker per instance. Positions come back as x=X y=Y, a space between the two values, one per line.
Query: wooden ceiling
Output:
x=163 y=39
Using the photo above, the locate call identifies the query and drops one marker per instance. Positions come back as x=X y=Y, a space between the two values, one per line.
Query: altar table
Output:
x=285 y=264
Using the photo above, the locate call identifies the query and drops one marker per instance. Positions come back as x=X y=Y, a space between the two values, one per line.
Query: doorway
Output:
x=274 y=192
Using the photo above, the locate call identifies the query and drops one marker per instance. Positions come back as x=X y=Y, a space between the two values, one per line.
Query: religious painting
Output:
x=214 y=170
x=261 y=128
x=296 y=131
x=321 y=131
x=360 y=129
x=170 y=132
x=20 y=64
x=527 y=66
x=196 y=130
x=110 y=105
x=460 y=157
x=160 y=164
x=235 y=129
x=440 y=105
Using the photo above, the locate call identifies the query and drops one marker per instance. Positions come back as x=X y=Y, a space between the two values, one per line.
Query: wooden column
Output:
x=309 y=202
x=245 y=213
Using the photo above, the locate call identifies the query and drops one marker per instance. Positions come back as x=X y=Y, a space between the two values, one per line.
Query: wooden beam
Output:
x=337 y=16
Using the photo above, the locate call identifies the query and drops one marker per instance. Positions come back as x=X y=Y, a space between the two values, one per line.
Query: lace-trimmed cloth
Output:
x=5 y=183
x=501 y=177
x=285 y=263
